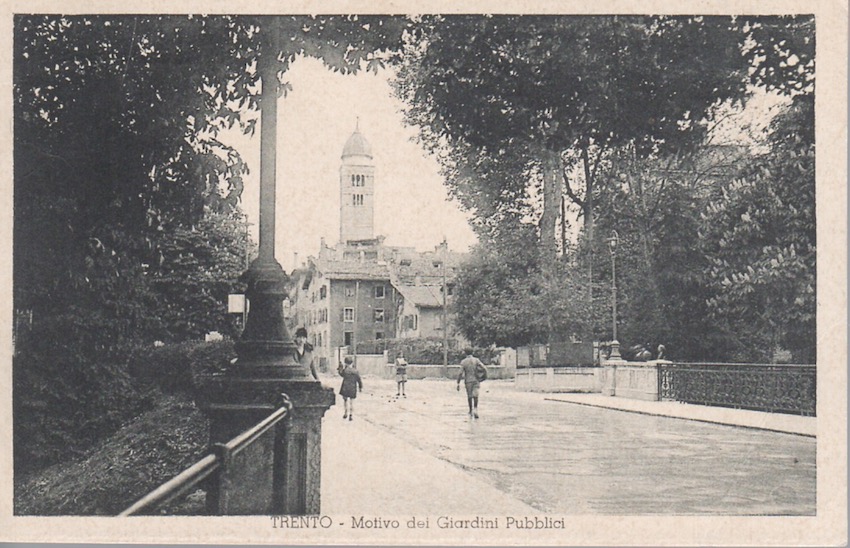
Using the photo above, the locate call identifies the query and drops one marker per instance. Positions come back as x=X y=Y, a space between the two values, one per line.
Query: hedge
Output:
x=65 y=402
x=423 y=350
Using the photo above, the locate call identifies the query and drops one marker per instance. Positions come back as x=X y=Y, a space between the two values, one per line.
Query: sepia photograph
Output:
x=399 y=275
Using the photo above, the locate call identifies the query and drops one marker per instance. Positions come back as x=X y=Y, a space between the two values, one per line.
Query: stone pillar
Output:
x=266 y=366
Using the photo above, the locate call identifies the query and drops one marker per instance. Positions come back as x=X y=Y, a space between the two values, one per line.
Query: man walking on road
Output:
x=472 y=371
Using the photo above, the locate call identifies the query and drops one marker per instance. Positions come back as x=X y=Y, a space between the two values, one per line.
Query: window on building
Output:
x=451 y=289
x=357 y=199
x=379 y=315
x=349 y=291
x=323 y=292
x=411 y=322
x=379 y=335
x=319 y=341
x=348 y=314
x=379 y=291
x=348 y=338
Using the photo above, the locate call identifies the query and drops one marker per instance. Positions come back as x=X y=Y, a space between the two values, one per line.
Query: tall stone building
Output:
x=361 y=289
x=356 y=190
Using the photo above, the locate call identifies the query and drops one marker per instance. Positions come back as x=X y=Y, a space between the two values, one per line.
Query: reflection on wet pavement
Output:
x=574 y=459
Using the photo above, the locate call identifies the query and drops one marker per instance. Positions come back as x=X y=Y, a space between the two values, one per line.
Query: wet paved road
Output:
x=572 y=459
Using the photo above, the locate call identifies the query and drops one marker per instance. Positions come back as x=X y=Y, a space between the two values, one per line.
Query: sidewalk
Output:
x=776 y=422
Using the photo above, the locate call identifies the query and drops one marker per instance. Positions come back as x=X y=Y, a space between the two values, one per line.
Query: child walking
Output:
x=401 y=373
x=351 y=381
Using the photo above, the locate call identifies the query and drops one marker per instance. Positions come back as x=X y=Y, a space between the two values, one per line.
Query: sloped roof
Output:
x=424 y=296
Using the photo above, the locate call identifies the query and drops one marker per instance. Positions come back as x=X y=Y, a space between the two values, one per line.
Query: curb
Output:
x=670 y=416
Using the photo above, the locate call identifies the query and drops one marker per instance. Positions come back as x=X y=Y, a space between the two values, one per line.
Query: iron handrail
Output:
x=201 y=470
x=176 y=486
x=246 y=438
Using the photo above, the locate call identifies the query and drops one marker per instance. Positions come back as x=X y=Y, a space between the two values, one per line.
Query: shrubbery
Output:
x=422 y=351
x=61 y=416
x=177 y=367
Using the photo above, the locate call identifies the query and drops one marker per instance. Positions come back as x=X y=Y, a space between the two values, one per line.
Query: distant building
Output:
x=361 y=289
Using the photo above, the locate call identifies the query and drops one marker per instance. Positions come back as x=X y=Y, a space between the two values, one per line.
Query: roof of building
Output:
x=426 y=267
x=352 y=270
x=424 y=296
x=357 y=145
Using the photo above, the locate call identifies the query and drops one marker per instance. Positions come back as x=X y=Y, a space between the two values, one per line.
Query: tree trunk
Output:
x=588 y=223
x=551 y=206
x=552 y=197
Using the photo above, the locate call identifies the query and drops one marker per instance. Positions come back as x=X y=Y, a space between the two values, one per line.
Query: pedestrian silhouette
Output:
x=401 y=373
x=472 y=372
x=351 y=381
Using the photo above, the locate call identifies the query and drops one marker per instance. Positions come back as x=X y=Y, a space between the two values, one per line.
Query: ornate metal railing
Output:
x=217 y=469
x=774 y=388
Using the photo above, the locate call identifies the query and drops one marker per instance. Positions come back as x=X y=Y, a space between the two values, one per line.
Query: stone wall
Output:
x=559 y=379
x=635 y=380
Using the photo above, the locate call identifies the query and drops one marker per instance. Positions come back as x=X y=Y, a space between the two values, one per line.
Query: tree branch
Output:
x=569 y=189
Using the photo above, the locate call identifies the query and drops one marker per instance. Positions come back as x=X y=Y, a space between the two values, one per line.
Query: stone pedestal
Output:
x=286 y=477
x=638 y=380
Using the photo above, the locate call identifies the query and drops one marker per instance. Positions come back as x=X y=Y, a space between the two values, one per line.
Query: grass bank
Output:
x=141 y=455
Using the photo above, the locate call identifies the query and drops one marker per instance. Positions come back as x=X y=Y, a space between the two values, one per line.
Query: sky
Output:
x=315 y=119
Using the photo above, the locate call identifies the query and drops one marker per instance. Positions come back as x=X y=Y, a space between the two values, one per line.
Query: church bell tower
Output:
x=356 y=190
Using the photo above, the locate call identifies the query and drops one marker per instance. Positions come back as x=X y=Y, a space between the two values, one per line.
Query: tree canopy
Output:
x=127 y=221
x=572 y=87
x=614 y=114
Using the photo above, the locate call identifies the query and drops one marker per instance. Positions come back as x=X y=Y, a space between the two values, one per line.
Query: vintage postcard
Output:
x=398 y=273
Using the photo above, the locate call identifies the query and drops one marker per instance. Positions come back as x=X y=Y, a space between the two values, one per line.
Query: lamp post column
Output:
x=609 y=379
x=615 y=343
x=266 y=364
x=445 y=249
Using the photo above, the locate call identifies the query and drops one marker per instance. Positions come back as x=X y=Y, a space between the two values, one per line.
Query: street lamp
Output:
x=445 y=248
x=613 y=242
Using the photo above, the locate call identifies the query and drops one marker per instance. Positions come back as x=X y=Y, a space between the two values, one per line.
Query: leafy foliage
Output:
x=199 y=267
x=624 y=104
x=760 y=236
x=512 y=87
x=504 y=297
x=126 y=204
x=422 y=350
x=655 y=205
